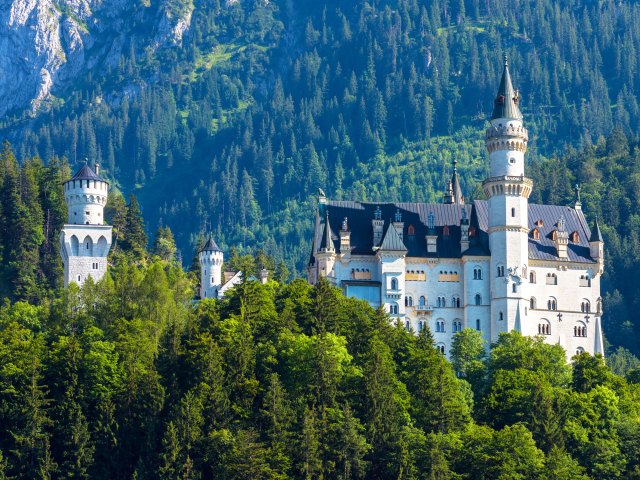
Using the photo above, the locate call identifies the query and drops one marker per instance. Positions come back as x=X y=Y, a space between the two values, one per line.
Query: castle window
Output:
x=457 y=326
x=500 y=271
x=540 y=223
x=532 y=277
x=544 y=327
x=536 y=234
x=585 y=281
x=420 y=326
x=532 y=303
x=440 y=348
x=78 y=277
x=552 y=304
x=393 y=309
x=472 y=232
x=407 y=325
x=478 y=299
x=580 y=330
x=585 y=307
x=440 y=326
x=500 y=316
x=579 y=350
x=445 y=231
x=552 y=279
x=513 y=212
x=554 y=235
x=422 y=301
x=456 y=302
x=477 y=274
x=514 y=288
x=575 y=237
x=394 y=284
x=411 y=230
x=408 y=301
x=478 y=324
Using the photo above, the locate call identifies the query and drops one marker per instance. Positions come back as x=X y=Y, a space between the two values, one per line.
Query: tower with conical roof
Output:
x=507 y=190
x=211 y=260
x=85 y=240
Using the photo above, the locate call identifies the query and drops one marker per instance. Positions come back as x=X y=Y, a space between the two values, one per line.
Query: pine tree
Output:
x=135 y=236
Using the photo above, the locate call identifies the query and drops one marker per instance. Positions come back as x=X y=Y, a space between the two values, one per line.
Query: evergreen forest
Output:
x=233 y=132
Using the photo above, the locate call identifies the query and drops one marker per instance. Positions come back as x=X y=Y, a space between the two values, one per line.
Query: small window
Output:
x=394 y=284
x=500 y=271
x=78 y=277
x=580 y=330
x=532 y=277
x=422 y=301
x=407 y=325
x=513 y=212
x=575 y=237
x=478 y=324
x=445 y=231
x=514 y=288
x=512 y=161
x=544 y=328
x=500 y=316
x=478 y=299
x=552 y=304
x=579 y=351
x=411 y=230
x=535 y=234
x=532 y=303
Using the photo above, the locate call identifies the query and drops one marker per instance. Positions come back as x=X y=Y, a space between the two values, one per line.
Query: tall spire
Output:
x=596 y=236
x=328 y=241
x=507 y=99
x=458 y=198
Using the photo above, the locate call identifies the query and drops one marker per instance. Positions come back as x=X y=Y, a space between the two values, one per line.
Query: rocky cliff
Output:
x=46 y=44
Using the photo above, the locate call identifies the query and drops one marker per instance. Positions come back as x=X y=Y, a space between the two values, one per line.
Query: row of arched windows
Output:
x=440 y=303
x=477 y=274
x=544 y=328
x=580 y=331
x=552 y=304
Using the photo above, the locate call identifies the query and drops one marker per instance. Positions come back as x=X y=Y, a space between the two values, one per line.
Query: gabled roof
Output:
x=85 y=173
x=210 y=246
x=506 y=102
x=392 y=241
x=361 y=214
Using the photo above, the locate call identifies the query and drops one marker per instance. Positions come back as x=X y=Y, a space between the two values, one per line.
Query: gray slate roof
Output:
x=416 y=215
x=505 y=104
x=210 y=246
x=392 y=241
x=86 y=173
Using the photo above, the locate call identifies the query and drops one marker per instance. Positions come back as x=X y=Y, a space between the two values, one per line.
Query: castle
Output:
x=495 y=265
x=84 y=240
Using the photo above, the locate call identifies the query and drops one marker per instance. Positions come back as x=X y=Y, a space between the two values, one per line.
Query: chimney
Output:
x=378 y=226
x=97 y=169
x=345 y=237
x=432 y=236
x=398 y=224
x=264 y=276
x=464 y=231
x=561 y=239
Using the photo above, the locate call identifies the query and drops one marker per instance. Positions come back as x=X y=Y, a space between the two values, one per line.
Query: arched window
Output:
x=579 y=350
x=456 y=302
x=477 y=274
x=532 y=277
x=544 y=327
x=478 y=299
x=514 y=287
x=407 y=325
x=575 y=237
x=554 y=235
x=585 y=306
x=478 y=324
x=500 y=316
x=440 y=326
x=445 y=231
x=500 y=271
x=535 y=233
x=580 y=329
x=411 y=230
x=552 y=304
x=440 y=348
x=457 y=326
x=532 y=303
x=422 y=301
x=394 y=284
x=420 y=325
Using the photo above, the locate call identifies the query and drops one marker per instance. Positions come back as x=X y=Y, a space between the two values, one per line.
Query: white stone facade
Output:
x=494 y=266
x=85 y=241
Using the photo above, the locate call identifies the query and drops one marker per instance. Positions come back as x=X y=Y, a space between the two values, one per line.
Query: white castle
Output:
x=85 y=240
x=496 y=265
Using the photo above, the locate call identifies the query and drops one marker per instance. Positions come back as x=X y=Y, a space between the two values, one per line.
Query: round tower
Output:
x=85 y=240
x=86 y=195
x=211 y=260
x=507 y=190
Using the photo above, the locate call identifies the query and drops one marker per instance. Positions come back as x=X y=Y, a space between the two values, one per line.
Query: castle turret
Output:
x=507 y=190
x=84 y=240
x=211 y=260
x=326 y=256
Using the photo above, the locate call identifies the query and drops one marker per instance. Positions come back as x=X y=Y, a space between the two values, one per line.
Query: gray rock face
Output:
x=46 y=44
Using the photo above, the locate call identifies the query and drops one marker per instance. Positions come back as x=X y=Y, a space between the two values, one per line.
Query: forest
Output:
x=130 y=379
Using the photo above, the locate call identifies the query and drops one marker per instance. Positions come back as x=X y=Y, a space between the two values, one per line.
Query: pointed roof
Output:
x=458 y=198
x=210 y=246
x=596 y=236
x=599 y=344
x=327 y=241
x=507 y=99
x=392 y=241
x=86 y=173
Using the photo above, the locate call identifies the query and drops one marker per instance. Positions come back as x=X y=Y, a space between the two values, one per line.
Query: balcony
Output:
x=424 y=308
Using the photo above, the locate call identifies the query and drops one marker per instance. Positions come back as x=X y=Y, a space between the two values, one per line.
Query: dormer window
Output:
x=536 y=234
x=554 y=235
x=472 y=232
x=445 y=231
x=411 y=230
x=540 y=223
x=575 y=237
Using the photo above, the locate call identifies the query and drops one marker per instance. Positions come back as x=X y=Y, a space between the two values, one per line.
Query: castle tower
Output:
x=507 y=190
x=211 y=260
x=85 y=240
